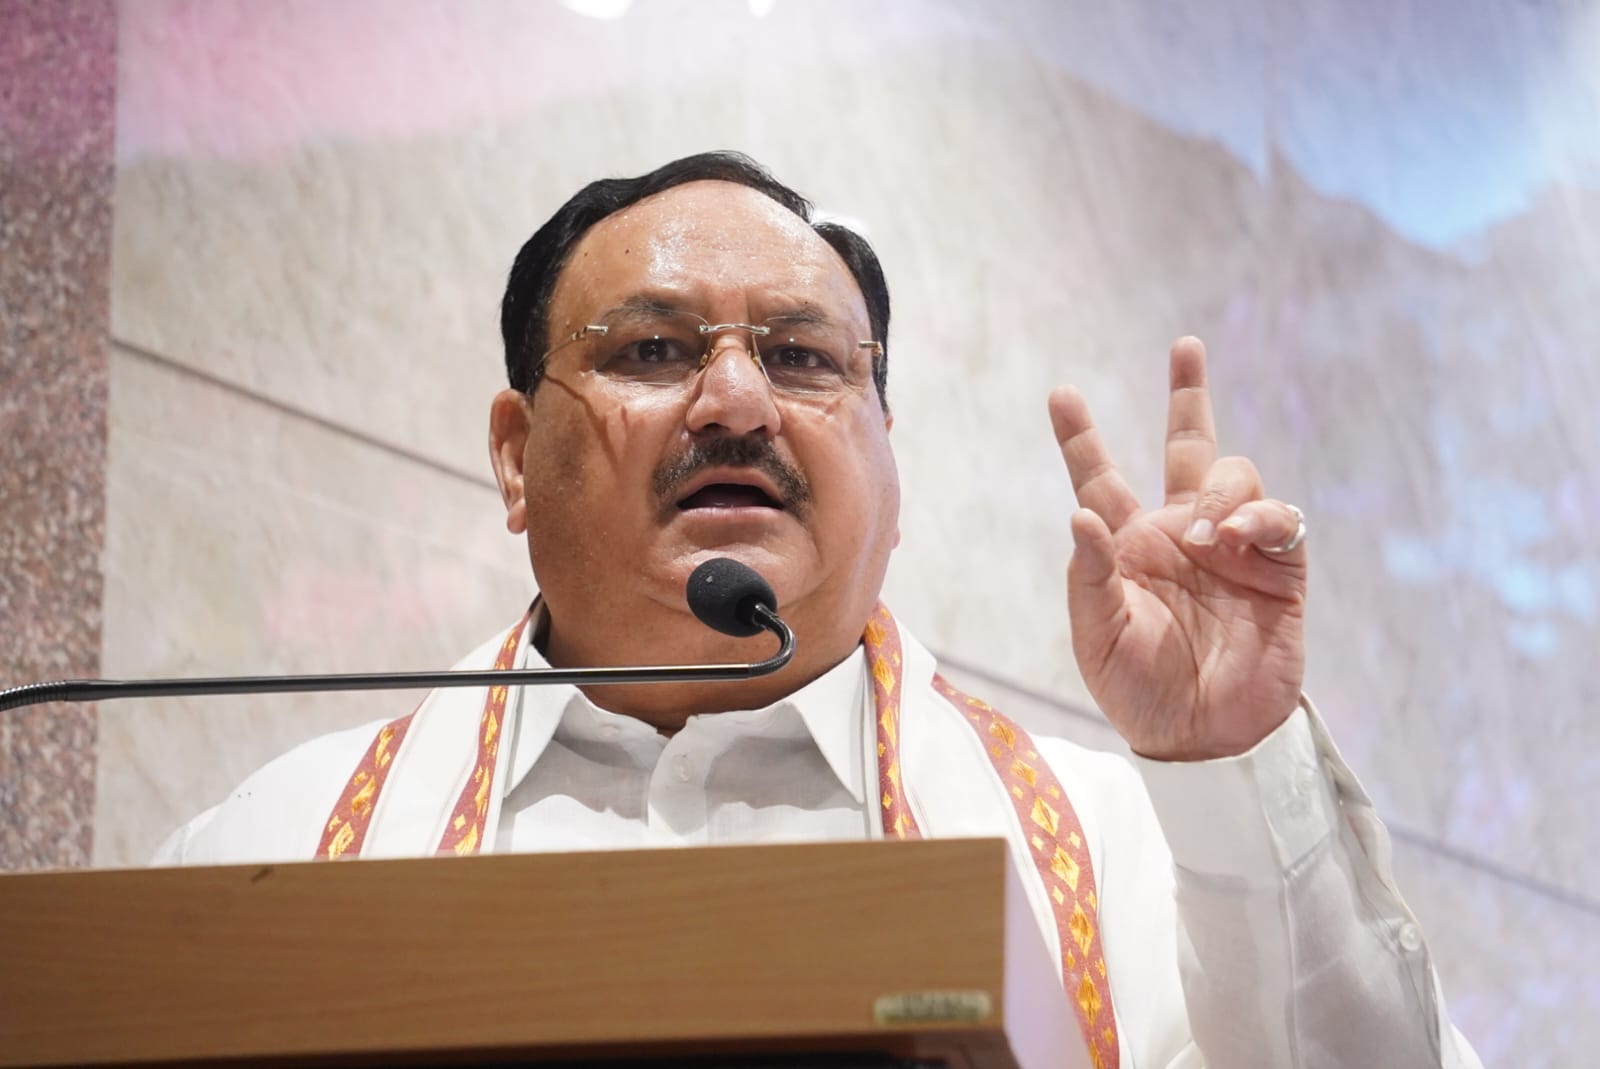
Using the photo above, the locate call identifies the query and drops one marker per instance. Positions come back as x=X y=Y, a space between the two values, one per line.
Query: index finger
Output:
x=1191 y=434
x=1095 y=479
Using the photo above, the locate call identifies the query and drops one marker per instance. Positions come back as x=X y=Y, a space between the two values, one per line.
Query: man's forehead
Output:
x=709 y=210
x=711 y=236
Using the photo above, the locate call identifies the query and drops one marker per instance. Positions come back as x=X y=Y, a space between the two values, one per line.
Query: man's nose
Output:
x=731 y=392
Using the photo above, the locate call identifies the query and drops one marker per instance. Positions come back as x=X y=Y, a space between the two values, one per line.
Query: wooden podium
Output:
x=924 y=952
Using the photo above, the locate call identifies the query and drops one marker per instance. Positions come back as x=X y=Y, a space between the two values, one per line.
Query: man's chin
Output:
x=785 y=566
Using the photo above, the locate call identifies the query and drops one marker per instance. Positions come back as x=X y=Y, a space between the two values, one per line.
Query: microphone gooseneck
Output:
x=728 y=596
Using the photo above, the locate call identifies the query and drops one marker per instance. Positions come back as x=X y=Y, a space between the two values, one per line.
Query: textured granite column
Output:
x=57 y=114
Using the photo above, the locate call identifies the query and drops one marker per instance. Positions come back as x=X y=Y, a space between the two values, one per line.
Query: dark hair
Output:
x=525 y=310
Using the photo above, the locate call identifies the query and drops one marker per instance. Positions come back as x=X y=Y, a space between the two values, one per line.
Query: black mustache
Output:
x=748 y=452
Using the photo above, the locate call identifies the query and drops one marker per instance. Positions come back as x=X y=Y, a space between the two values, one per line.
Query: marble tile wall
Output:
x=56 y=136
x=1443 y=332
x=292 y=547
x=1382 y=220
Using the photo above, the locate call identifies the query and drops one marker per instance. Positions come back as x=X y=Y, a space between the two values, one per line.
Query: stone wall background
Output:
x=57 y=110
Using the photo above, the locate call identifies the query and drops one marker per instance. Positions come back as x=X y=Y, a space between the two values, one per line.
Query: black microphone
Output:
x=732 y=598
x=724 y=594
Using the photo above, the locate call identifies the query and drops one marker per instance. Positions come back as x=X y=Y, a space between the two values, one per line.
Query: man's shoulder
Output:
x=1086 y=773
x=1104 y=770
x=1103 y=787
x=1090 y=777
x=276 y=814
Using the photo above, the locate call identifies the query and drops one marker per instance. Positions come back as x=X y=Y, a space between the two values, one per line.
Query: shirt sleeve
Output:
x=1294 y=946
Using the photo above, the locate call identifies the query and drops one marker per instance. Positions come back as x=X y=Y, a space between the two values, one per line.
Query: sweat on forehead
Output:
x=713 y=244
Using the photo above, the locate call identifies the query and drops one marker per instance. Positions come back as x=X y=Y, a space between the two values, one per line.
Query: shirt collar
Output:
x=831 y=707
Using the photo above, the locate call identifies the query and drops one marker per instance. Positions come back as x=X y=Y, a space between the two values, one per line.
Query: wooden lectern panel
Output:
x=890 y=947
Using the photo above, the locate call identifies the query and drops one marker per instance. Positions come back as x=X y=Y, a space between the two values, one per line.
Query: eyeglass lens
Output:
x=799 y=354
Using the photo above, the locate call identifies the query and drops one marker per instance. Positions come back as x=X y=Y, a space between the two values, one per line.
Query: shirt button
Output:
x=1305 y=780
x=683 y=769
x=1410 y=939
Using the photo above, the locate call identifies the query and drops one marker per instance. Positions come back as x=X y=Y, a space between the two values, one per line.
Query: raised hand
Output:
x=1188 y=621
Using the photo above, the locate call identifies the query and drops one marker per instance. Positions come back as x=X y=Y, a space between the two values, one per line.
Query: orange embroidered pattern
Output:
x=464 y=831
x=346 y=828
x=1052 y=829
x=1055 y=839
x=884 y=660
x=1054 y=835
x=347 y=825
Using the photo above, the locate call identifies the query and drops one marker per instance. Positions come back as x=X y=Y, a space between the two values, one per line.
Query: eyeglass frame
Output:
x=709 y=331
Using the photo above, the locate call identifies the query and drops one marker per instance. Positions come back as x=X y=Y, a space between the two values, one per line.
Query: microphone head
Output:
x=724 y=593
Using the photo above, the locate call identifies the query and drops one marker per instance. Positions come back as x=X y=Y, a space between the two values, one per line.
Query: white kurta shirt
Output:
x=1269 y=933
x=1261 y=850
x=582 y=778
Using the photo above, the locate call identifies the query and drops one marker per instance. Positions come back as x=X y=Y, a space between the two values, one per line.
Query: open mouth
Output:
x=729 y=496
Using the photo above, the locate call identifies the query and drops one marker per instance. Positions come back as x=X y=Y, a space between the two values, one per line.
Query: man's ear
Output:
x=508 y=444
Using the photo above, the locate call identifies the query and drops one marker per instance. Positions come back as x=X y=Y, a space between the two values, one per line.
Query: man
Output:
x=697 y=370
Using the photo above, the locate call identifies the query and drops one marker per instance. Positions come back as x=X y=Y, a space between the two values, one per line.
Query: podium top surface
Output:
x=921 y=950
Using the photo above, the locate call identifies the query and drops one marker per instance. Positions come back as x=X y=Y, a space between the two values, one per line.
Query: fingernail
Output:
x=1235 y=524
x=1201 y=533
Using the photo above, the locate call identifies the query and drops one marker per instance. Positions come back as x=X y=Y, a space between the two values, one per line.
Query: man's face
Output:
x=626 y=487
